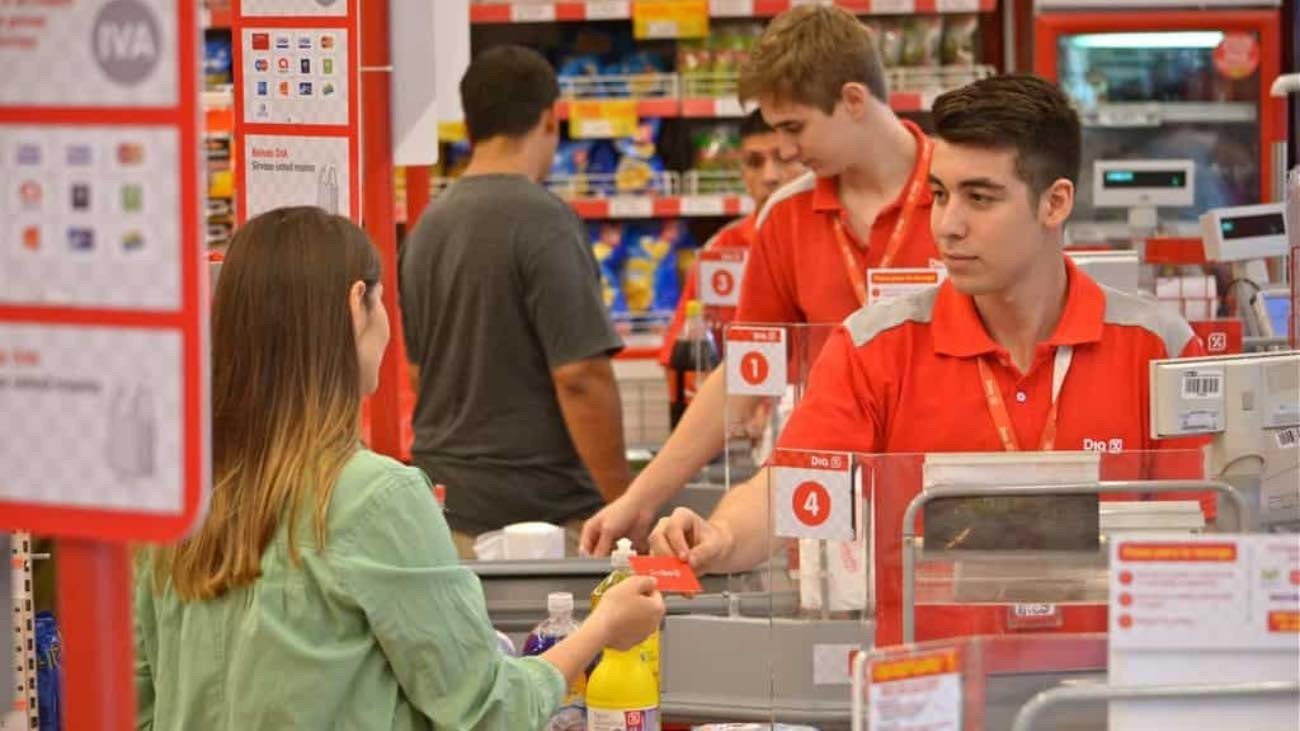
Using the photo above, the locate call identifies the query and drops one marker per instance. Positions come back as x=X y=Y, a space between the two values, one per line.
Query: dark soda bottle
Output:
x=694 y=356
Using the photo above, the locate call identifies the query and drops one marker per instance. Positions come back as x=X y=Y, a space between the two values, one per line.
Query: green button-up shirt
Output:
x=383 y=629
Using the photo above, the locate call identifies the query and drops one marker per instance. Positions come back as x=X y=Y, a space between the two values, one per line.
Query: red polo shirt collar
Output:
x=958 y=330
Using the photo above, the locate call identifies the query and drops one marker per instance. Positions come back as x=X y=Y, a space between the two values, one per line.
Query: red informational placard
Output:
x=1220 y=337
x=297 y=85
x=103 y=353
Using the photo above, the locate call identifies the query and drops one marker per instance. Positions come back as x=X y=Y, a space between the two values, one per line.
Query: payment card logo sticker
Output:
x=132 y=241
x=80 y=155
x=31 y=238
x=130 y=153
x=127 y=42
x=79 y=194
x=132 y=198
x=261 y=65
x=31 y=195
x=28 y=154
x=261 y=41
x=327 y=66
x=81 y=239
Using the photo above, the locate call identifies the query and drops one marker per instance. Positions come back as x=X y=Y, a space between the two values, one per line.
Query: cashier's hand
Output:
x=623 y=518
x=693 y=539
x=629 y=612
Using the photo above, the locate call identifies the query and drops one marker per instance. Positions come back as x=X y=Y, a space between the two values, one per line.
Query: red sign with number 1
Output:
x=756 y=361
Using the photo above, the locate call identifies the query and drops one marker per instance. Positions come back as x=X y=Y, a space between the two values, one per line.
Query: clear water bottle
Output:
x=572 y=713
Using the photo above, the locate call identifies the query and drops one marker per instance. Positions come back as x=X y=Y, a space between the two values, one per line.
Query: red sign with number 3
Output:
x=811 y=504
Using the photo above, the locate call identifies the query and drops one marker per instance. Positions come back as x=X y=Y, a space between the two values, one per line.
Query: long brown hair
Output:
x=286 y=392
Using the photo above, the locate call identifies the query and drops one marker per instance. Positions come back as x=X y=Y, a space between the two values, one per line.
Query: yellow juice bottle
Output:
x=620 y=562
x=622 y=694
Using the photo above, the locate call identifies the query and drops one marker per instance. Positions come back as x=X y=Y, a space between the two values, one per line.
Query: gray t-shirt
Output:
x=498 y=288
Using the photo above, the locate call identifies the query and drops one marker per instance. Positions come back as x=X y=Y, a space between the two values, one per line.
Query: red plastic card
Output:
x=673 y=574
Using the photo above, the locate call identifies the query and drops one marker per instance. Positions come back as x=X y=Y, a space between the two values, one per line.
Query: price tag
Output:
x=631 y=206
x=670 y=18
x=957 y=6
x=884 y=284
x=917 y=691
x=728 y=107
x=704 y=205
x=731 y=8
x=608 y=10
x=602 y=118
x=533 y=12
x=721 y=273
x=813 y=495
x=892 y=7
x=756 y=361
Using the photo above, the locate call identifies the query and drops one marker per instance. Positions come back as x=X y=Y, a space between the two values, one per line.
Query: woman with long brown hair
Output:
x=323 y=590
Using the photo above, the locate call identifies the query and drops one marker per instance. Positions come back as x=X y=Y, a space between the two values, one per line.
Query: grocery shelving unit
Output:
x=24 y=714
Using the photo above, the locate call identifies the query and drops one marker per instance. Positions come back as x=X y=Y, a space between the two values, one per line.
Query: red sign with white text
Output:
x=103 y=353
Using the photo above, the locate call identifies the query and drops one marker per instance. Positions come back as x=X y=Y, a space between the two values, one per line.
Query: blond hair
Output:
x=808 y=54
x=286 y=393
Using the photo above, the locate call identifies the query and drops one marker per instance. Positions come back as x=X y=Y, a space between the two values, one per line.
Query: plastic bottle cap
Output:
x=559 y=602
x=622 y=552
x=693 y=308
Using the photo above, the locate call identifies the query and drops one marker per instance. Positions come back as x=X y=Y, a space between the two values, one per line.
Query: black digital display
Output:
x=1246 y=227
x=1144 y=179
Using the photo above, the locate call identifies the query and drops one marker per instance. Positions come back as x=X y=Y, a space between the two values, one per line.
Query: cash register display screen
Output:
x=1012 y=523
x=1245 y=227
x=1144 y=179
x=1278 y=305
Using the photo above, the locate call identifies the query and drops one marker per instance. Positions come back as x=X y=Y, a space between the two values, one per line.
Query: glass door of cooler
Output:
x=1170 y=85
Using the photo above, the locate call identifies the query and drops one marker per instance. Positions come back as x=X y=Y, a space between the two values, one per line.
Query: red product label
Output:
x=1237 y=55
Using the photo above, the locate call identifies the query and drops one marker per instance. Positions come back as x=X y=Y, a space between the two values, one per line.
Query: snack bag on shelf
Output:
x=889 y=38
x=573 y=69
x=922 y=37
x=607 y=245
x=651 y=276
x=717 y=147
x=640 y=69
x=694 y=57
x=960 y=35
x=639 y=165
x=569 y=169
x=217 y=60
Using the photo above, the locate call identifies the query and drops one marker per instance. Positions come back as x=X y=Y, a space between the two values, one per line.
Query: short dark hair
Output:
x=504 y=92
x=754 y=124
x=1021 y=112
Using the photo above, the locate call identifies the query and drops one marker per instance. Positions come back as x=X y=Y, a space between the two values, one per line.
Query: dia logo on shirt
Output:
x=1112 y=446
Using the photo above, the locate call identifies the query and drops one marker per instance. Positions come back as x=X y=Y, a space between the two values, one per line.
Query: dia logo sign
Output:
x=126 y=41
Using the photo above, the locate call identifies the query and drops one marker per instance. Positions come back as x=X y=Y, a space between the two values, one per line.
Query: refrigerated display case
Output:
x=1171 y=83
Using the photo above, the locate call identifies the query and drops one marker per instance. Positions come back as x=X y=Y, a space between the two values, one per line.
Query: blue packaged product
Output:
x=607 y=240
x=650 y=273
x=217 y=60
x=49 y=664
x=639 y=167
x=572 y=713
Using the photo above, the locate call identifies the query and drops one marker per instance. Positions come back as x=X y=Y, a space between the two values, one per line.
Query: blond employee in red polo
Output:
x=1017 y=350
x=864 y=204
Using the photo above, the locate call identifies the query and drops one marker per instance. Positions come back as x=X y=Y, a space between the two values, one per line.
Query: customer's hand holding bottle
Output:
x=627 y=614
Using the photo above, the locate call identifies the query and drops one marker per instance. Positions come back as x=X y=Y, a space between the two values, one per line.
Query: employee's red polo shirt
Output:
x=738 y=234
x=796 y=270
x=902 y=377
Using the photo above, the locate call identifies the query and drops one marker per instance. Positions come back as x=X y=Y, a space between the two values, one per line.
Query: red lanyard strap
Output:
x=998 y=407
x=916 y=188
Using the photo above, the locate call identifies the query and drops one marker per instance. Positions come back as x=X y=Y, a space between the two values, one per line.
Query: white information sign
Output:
x=118 y=391
x=721 y=273
x=106 y=52
x=90 y=217
x=296 y=76
x=756 y=361
x=311 y=8
x=915 y=693
x=813 y=495
x=297 y=171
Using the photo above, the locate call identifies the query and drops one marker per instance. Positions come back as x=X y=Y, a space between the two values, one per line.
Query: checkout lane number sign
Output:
x=756 y=361
x=720 y=274
x=813 y=495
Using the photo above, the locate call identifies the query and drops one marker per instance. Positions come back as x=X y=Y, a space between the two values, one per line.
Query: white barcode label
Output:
x=1288 y=438
x=608 y=10
x=1203 y=384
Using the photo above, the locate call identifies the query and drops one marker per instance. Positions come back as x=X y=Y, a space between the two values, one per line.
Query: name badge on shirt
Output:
x=883 y=284
x=720 y=275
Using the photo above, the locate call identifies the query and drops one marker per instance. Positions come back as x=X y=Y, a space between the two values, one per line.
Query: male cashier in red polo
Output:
x=1017 y=350
x=819 y=81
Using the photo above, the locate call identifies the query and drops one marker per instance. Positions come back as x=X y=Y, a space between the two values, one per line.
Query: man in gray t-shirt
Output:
x=518 y=413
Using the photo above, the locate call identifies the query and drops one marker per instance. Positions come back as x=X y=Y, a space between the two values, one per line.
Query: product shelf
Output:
x=548 y=11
